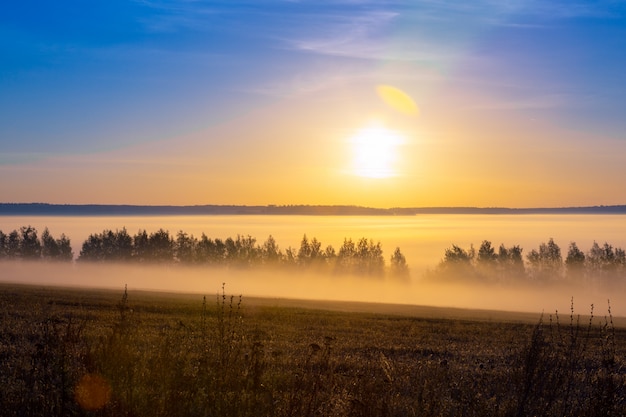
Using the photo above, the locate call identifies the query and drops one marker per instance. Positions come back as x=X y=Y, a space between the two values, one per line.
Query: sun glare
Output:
x=375 y=150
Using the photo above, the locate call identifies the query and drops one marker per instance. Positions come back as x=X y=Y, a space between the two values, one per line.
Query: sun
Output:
x=375 y=152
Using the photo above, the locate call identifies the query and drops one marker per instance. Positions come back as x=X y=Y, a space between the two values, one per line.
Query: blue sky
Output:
x=83 y=82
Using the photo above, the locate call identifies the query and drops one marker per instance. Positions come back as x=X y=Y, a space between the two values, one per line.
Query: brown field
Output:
x=66 y=352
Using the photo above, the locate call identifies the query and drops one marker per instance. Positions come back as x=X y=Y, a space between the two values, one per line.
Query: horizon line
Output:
x=276 y=207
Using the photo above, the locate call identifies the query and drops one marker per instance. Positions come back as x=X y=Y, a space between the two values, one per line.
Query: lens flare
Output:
x=397 y=99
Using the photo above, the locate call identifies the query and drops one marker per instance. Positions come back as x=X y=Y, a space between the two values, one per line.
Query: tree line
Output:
x=25 y=244
x=601 y=263
x=361 y=257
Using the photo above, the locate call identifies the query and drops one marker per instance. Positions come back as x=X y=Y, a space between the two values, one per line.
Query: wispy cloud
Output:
x=427 y=30
x=355 y=36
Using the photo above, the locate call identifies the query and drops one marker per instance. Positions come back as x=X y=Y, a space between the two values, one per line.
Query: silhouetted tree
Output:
x=487 y=260
x=49 y=247
x=316 y=254
x=486 y=253
x=369 y=258
x=330 y=257
x=65 y=249
x=311 y=253
x=186 y=247
x=599 y=259
x=510 y=263
x=270 y=253
x=363 y=258
x=211 y=251
x=55 y=249
x=605 y=263
x=242 y=252
x=345 y=256
x=141 y=246
x=106 y=246
x=304 y=253
x=458 y=263
x=232 y=251
x=30 y=247
x=91 y=249
x=398 y=266
x=458 y=255
x=547 y=263
x=575 y=262
x=160 y=246
x=249 y=252
x=4 y=242
x=25 y=244
x=291 y=257
x=109 y=246
x=122 y=245
x=13 y=245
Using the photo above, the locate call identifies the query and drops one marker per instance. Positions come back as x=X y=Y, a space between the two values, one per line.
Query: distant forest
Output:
x=601 y=264
x=604 y=263
x=362 y=257
x=43 y=209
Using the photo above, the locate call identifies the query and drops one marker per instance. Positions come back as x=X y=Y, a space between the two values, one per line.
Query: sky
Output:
x=375 y=103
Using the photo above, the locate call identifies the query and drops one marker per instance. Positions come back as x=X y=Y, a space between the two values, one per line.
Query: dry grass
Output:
x=70 y=352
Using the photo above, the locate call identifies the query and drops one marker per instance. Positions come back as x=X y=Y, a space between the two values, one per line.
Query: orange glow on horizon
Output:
x=299 y=151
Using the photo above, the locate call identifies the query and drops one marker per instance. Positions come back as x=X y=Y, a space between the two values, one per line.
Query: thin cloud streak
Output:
x=349 y=36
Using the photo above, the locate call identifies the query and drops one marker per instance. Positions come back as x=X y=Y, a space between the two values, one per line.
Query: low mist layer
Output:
x=280 y=284
x=423 y=239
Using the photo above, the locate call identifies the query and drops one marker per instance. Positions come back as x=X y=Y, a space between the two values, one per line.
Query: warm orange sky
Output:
x=515 y=106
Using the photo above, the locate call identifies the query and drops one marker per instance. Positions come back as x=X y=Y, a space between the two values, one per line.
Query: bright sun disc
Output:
x=375 y=150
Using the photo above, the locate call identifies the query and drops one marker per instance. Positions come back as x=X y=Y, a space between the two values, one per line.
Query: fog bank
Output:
x=298 y=285
x=423 y=239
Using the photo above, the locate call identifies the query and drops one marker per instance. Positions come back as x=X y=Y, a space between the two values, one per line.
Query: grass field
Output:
x=66 y=352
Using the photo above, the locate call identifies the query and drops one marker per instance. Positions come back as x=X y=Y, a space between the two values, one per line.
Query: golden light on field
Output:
x=397 y=99
x=375 y=152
